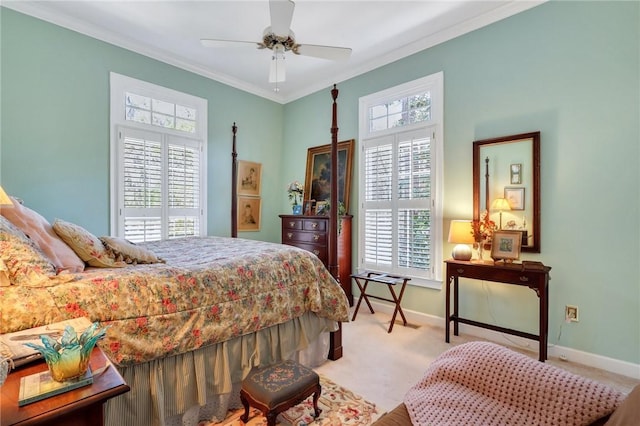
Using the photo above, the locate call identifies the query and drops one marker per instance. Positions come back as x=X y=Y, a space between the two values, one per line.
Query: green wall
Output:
x=568 y=69
x=571 y=71
x=55 y=126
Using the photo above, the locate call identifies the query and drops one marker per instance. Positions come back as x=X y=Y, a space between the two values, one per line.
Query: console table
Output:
x=536 y=277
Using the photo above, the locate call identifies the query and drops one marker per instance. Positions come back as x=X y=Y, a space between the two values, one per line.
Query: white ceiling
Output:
x=379 y=32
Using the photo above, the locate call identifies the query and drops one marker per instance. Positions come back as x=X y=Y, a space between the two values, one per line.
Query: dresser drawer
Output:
x=304 y=237
x=315 y=225
x=292 y=224
x=320 y=251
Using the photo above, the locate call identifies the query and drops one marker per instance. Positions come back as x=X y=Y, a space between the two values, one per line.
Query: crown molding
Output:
x=41 y=11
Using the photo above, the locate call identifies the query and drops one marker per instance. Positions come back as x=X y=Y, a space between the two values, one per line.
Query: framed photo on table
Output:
x=505 y=245
x=317 y=183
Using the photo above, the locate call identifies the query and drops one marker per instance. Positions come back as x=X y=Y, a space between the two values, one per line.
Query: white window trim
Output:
x=119 y=85
x=435 y=84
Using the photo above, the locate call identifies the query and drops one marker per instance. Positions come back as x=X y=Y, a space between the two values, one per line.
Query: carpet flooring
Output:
x=339 y=406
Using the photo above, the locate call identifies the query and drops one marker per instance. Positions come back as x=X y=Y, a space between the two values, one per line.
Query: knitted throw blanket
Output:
x=481 y=383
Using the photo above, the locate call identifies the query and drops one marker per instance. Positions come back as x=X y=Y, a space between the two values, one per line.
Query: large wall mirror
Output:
x=508 y=169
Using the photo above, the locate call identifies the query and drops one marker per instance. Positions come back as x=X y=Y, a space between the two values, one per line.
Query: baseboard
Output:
x=554 y=351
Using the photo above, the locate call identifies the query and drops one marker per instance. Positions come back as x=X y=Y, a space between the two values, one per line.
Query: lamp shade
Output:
x=500 y=204
x=5 y=201
x=461 y=233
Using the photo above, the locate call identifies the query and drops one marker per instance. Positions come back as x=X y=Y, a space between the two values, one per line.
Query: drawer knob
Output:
x=292 y=224
x=314 y=225
x=460 y=270
x=289 y=235
x=316 y=237
x=524 y=279
x=316 y=252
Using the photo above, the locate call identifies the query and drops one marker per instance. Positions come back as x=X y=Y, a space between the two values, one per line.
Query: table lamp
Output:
x=500 y=204
x=461 y=233
x=5 y=201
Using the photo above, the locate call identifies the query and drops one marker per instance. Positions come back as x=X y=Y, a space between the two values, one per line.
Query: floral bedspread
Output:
x=211 y=289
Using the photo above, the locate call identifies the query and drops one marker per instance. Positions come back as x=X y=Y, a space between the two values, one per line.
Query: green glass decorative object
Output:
x=69 y=358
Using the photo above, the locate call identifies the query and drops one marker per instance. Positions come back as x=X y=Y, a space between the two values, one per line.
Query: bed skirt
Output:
x=205 y=383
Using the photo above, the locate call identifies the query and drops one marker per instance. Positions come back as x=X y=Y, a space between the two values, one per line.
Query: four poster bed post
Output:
x=335 y=342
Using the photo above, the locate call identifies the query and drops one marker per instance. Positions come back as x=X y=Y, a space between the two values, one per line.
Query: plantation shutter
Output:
x=184 y=189
x=397 y=204
x=160 y=181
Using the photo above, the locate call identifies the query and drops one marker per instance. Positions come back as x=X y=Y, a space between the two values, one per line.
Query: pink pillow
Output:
x=41 y=232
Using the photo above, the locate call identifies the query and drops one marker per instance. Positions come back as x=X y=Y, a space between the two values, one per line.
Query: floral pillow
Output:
x=86 y=245
x=24 y=262
x=129 y=252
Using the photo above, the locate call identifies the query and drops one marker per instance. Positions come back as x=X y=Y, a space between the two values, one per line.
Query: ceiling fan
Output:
x=280 y=39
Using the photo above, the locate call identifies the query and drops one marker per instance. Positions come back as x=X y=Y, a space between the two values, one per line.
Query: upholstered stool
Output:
x=277 y=388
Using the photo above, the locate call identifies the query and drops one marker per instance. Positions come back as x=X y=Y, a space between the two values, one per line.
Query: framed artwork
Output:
x=249 y=209
x=515 y=197
x=309 y=207
x=317 y=183
x=322 y=208
x=515 y=172
x=505 y=245
x=249 y=178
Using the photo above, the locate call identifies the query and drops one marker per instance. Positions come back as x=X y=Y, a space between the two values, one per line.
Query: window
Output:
x=158 y=172
x=401 y=181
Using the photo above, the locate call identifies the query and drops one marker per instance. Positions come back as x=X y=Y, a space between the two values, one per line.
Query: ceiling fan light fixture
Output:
x=277 y=72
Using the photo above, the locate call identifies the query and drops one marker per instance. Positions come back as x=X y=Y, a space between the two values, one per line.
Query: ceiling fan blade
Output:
x=212 y=42
x=281 y=16
x=324 y=52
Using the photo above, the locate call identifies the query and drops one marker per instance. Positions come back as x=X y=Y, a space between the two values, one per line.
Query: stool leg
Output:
x=245 y=404
x=271 y=418
x=316 y=397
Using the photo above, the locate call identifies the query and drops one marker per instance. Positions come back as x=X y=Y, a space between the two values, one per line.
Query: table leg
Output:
x=455 y=305
x=544 y=320
x=447 y=315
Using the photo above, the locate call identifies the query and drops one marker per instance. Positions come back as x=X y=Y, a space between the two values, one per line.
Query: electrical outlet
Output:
x=571 y=313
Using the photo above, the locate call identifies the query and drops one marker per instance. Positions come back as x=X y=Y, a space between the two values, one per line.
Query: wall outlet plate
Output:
x=571 y=313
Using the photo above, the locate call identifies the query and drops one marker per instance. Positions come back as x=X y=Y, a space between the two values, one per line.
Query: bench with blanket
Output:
x=481 y=383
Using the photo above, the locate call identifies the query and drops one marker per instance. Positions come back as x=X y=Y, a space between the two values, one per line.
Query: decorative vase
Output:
x=69 y=358
x=480 y=249
x=297 y=209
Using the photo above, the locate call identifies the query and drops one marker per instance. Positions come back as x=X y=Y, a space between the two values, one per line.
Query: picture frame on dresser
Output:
x=317 y=183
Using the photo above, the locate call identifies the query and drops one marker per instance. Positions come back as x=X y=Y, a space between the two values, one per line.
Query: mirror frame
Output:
x=535 y=161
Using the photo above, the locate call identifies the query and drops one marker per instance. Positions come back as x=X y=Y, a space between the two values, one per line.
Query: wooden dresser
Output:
x=312 y=233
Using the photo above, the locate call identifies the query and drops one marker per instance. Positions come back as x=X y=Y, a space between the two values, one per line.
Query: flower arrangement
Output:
x=483 y=229
x=295 y=190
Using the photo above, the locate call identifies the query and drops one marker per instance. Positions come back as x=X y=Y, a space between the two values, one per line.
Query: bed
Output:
x=185 y=328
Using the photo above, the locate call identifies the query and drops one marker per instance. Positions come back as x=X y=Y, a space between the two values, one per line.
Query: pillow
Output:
x=129 y=252
x=24 y=262
x=40 y=231
x=86 y=245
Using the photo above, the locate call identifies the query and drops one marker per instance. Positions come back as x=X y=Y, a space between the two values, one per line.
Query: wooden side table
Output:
x=536 y=279
x=78 y=407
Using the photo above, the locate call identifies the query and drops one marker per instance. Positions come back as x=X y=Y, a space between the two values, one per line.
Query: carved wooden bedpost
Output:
x=335 y=342
x=234 y=184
